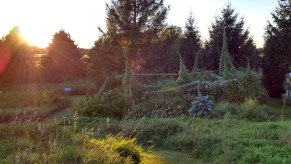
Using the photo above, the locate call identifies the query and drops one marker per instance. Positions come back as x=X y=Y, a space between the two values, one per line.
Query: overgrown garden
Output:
x=146 y=86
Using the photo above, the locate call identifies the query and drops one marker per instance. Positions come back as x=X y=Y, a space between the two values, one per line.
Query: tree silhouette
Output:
x=166 y=51
x=191 y=42
x=277 y=49
x=240 y=44
x=133 y=23
x=15 y=59
x=62 y=61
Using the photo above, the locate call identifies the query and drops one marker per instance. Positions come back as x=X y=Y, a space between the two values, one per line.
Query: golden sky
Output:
x=38 y=20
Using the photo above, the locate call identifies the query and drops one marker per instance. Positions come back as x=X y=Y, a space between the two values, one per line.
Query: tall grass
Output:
x=33 y=142
x=220 y=140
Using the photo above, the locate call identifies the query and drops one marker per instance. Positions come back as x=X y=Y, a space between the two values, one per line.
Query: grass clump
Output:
x=114 y=146
x=33 y=142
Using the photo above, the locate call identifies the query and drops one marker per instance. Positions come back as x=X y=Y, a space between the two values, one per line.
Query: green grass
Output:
x=277 y=105
x=168 y=157
x=222 y=140
x=175 y=140
x=28 y=113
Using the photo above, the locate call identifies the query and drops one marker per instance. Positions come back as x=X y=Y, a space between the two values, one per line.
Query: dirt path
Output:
x=55 y=113
x=61 y=111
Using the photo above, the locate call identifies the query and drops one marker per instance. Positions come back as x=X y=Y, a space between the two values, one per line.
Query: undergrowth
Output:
x=216 y=140
x=33 y=142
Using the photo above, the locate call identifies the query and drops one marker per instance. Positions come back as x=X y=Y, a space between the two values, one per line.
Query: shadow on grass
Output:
x=168 y=157
x=277 y=104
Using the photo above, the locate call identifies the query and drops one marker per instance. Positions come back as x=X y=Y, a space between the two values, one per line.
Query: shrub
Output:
x=125 y=148
x=223 y=108
x=250 y=110
x=168 y=104
x=183 y=73
x=110 y=104
x=52 y=98
x=253 y=111
x=201 y=106
x=247 y=85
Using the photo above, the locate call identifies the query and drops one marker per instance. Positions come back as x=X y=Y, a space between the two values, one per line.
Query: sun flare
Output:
x=34 y=39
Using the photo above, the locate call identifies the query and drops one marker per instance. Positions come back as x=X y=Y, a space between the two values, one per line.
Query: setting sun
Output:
x=35 y=37
x=145 y=81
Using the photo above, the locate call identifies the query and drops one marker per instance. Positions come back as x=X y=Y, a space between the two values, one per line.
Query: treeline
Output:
x=136 y=32
x=20 y=65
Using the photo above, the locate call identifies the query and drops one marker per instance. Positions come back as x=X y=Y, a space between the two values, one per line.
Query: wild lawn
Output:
x=163 y=140
x=235 y=133
x=277 y=106
x=223 y=140
x=28 y=114
x=168 y=157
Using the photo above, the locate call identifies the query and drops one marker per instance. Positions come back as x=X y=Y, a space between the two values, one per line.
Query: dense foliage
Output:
x=277 y=59
x=62 y=61
x=183 y=73
x=225 y=62
x=113 y=103
x=164 y=55
x=132 y=24
x=246 y=84
x=240 y=44
x=202 y=106
x=191 y=42
x=16 y=61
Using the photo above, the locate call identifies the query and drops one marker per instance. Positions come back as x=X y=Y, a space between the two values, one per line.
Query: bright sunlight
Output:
x=34 y=39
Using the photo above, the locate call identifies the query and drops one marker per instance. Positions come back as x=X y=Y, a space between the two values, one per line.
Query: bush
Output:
x=201 y=106
x=253 y=111
x=168 y=104
x=110 y=104
x=250 y=110
x=52 y=98
x=223 y=108
x=247 y=85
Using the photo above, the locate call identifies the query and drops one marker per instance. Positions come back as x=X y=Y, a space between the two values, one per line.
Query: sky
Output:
x=39 y=20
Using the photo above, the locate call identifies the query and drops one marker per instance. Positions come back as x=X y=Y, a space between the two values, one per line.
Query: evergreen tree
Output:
x=134 y=23
x=183 y=73
x=277 y=49
x=62 y=61
x=225 y=63
x=105 y=58
x=166 y=51
x=191 y=42
x=240 y=44
x=15 y=59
